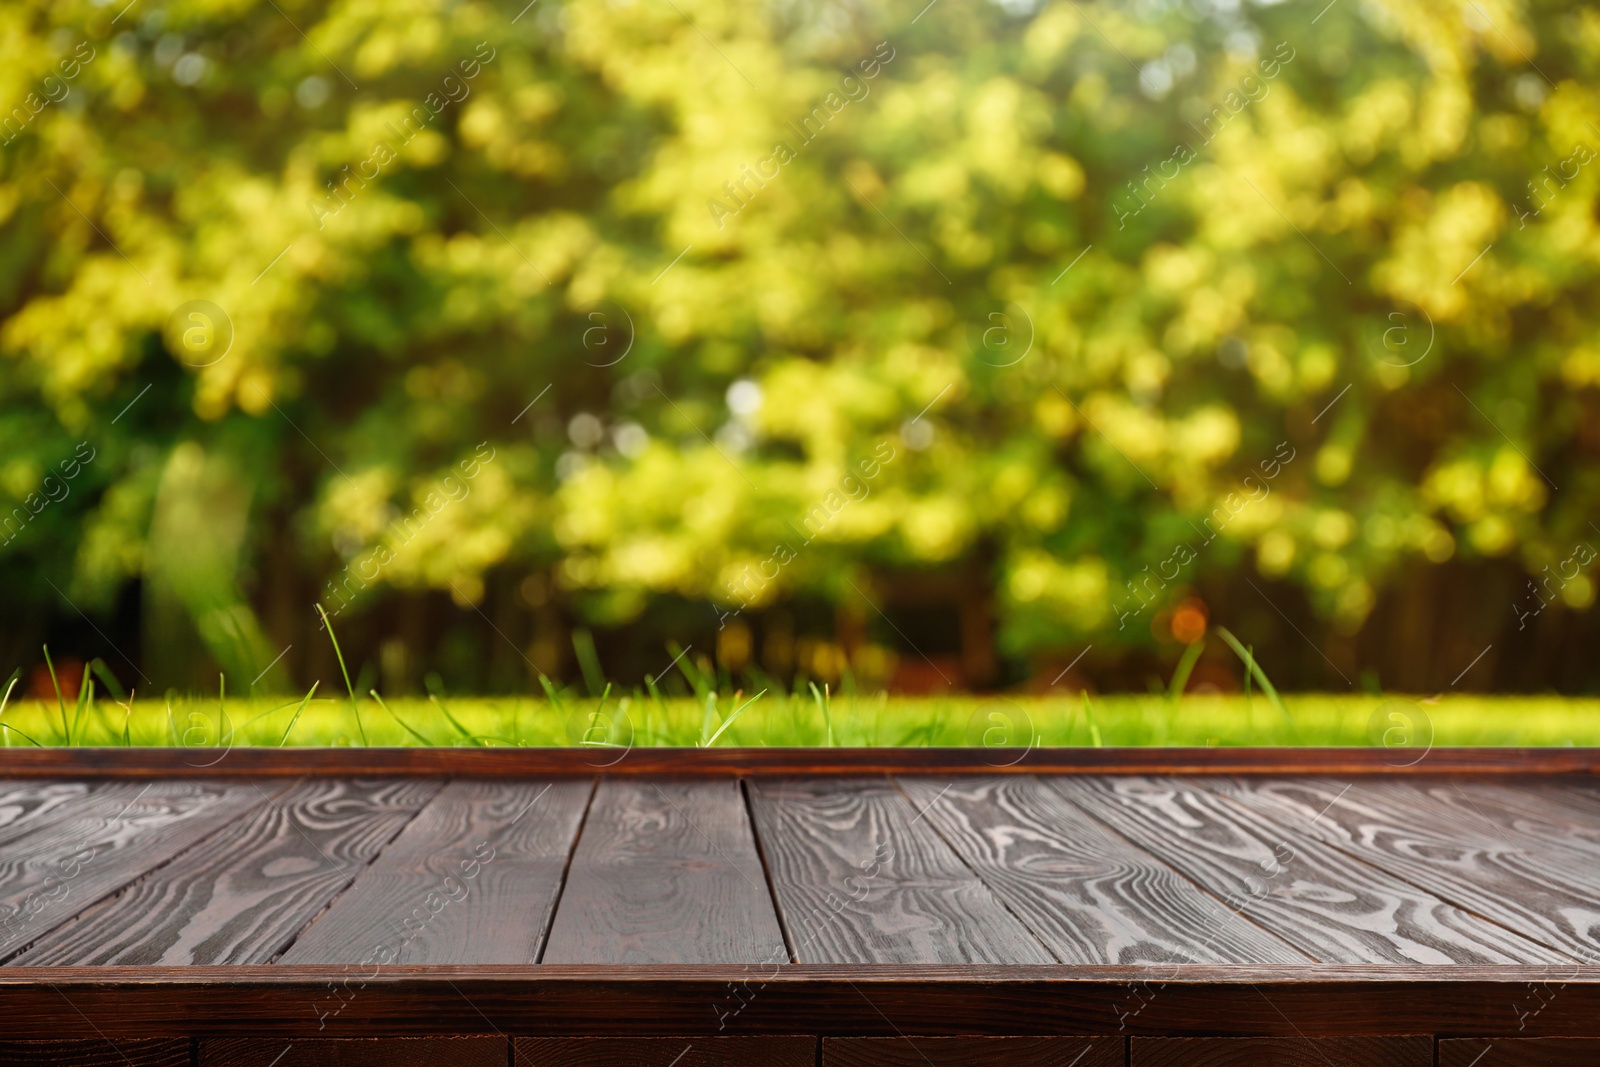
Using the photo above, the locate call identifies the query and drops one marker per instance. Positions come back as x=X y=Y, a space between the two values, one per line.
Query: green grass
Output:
x=776 y=719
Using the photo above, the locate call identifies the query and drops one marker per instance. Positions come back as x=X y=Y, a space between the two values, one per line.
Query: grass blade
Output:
x=707 y=713
x=66 y=733
x=824 y=698
x=588 y=661
x=85 y=698
x=296 y=716
x=1088 y=717
x=1254 y=668
x=107 y=679
x=729 y=720
x=403 y=724
x=354 y=706
x=1180 y=677
x=435 y=694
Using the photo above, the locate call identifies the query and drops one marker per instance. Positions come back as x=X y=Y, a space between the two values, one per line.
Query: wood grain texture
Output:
x=665 y=872
x=730 y=762
x=472 y=879
x=972 y=1052
x=1331 y=906
x=1281 y=1052
x=50 y=875
x=768 y=1051
x=148 y=1052
x=243 y=893
x=861 y=879
x=1520 y=1052
x=651 y=1001
x=1089 y=895
x=355 y=1052
x=1559 y=825
x=1504 y=877
x=26 y=806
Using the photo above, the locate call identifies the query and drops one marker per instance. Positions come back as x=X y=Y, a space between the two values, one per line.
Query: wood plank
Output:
x=1089 y=895
x=1558 y=824
x=144 y=1052
x=830 y=1001
x=769 y=1051
x=666 y=872
x=506 y=762
x=354 y=1052
x=1333 y=907
x=1281 y=1052
x=861 y=878
x=51 y=875
x=26 y=806
x=973 y=1052
x=1520 y=1052
x=472 y=879
x=1460 y=859
x=244 y=892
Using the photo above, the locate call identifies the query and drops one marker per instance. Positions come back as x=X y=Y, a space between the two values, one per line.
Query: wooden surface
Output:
x=1089 y=895
x=1281 y=876
x=832 y=1000
x=1281 y=1052
x=1505 y=877
x=243 y=893
x=354 y=1052
x=1520 y=1052
x=53 y=874
x=666 y=872
x=862 y=877
x=86 y=763
x=473 y=879
x=765 y=1051
x=97 y=1052
x=575 y=912
x=972 y=1052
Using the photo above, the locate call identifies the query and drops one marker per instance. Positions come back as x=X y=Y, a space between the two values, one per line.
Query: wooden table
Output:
x=683 y=908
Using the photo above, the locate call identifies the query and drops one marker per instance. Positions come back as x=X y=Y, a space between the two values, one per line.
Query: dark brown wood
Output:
x=57 y=872
x=666 y=872
x=1334 y=907
x=354 y=1052
x=100 y=1052
x=243 y=893
x=1556 y=825
x=770 y=1051
x=1520 y=1052
x=832 y=1001
x=1089 y=895
x=973 y=1052
x=26 y=806
x=473 y=879
x=818 y=762
x=1281 y=1052
x=1456 y=854
x=860 y=878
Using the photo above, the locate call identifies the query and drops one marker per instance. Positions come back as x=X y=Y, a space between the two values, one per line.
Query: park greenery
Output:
x=663 y=319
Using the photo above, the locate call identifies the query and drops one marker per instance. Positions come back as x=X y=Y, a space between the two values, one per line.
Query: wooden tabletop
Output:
x=979 y=900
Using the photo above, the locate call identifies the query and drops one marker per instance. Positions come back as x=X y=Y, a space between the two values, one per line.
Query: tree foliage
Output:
x=671 y=276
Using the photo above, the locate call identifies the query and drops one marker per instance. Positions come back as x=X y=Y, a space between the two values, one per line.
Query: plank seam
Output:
x=977 y=876
x=1178 y=871
x=772 y=888
x=1441 y=893
x=115 y=893
x=566 y=870
x=289 y=944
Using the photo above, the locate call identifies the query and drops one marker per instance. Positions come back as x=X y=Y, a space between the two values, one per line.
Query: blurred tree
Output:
x=672 y=279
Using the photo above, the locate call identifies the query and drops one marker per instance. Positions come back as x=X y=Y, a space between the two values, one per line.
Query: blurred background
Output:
x=973 y=346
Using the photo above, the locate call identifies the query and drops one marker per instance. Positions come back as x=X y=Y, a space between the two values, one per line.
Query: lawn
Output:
x=807 y=718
